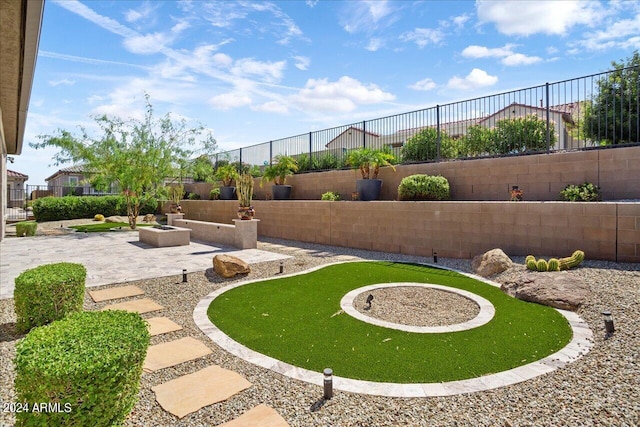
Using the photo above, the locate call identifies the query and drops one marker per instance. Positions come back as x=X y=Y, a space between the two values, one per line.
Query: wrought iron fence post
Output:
x=310 y=153
x=438 y=132
x=548 y=118
x=270 y=153
x=364 y=134
x=240 y=165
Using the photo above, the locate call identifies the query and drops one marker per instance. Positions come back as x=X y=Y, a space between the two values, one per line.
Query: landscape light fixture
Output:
x=184 y=275
x=369 y=299
x=281 y=267
x=608 y=323
x=328 y=383
x=435 y=257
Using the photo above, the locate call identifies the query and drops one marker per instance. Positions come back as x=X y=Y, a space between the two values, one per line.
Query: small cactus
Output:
x=554 y=264
x=531 y=264
x=529 y=257
x=572 y=261
x=542 y=265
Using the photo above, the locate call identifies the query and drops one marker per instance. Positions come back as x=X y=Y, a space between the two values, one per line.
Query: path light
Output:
x=369 y=299
x=435 y=257
x=281 y=267
x=184 y=275
x=328 y=383
x=608 y=323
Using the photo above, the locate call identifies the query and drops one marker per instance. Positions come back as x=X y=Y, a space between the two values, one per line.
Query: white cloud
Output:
x=423 y=36
x=268 y=71
x=477 y=78
x=520 y=59
x=475 y=51
x=144 y=11
x=552 y=50
x=459 y=21
x=312 y=3
x=230 y=100
x=146 y=44
x=302 y=62
x=343 y=95
x=621 y=33
x=271 y=107
x=524 y=18
x=424 y=84
x=374 y=44
x=367 y=16
x=65 y=82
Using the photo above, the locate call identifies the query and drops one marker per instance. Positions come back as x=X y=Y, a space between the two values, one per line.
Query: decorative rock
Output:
x=491 y=263
x=116 y=218
x=228 y=266
x=149 y=218
x=562 y=290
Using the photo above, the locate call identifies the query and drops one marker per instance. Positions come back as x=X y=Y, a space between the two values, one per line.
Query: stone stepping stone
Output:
x=189 y=393
x=143 y=305
x=162 y=325
x=174 y=352
x=115 y=293
x=261 y=415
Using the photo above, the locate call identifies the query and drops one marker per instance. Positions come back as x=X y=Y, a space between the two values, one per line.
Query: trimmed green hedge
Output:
x=71 y=207
x=88 y=364
x=26 y=228
x=47 y=293
x=423 y=187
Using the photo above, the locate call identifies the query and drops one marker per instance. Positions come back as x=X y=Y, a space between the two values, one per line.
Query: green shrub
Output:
x=214 y=194
x=423 y=187
x=26 y=228
x=522 y=134
x=98 y=217
x=331 y=196
x=47 y=293
x=193 y=196
x=88 y=363
x=586 y=192
x=63 y=208
x=423 y=146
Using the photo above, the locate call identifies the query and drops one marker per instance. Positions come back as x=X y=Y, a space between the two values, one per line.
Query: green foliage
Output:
x=423 y=146
x=554 y=265
x=542 y=265
x=26 y=228
x=103 y=227
x=89 y=363
x=612 y=115
x=193 y=196
x=245 y=189
x=329 y=161
x=98 y=217
x=330 y=196
x=586 y=192
x=307 y=163
x=202 y=168
x=138 y=155
x=280 y=169
x=214 y=194
x=423 y=187
x=478 y=141
x=531 y=263
x=523 y=134
x=47 y=293
x=62 y=208
x=573 y=261
x=227 y=174
x=369 y=161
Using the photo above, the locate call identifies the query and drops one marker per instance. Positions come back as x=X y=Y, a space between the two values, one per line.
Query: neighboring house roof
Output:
x=350 y=129
x=75 y=170
x=17 y=175
x=566 y=117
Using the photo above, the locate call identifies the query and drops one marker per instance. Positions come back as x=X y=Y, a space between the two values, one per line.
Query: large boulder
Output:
x=116 y=218
x=562 y=289
x=228 y=266
x=491 y=263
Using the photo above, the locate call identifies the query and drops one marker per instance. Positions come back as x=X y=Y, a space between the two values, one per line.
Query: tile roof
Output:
x=14 y=174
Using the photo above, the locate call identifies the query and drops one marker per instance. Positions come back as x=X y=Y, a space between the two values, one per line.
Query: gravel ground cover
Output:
x=601 y=388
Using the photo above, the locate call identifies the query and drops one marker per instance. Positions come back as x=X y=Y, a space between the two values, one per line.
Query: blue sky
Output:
x=254 y=71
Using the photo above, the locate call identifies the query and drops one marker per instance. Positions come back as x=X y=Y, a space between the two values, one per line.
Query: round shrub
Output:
x=586 y=192
x=89 y=364
x=98 y=217
x=423 y=187
x=331 y=196
x=26 y=228
x=47 y=293
x=214 y=194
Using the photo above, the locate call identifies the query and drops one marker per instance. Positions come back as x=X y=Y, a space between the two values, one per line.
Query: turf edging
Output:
x=311 y=336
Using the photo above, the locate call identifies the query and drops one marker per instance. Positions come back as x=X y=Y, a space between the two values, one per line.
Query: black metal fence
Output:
x=589 y=111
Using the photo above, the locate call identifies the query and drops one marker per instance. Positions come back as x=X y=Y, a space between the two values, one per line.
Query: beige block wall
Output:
x=608 y=231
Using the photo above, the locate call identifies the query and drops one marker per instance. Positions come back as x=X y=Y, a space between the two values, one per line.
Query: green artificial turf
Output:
x=105 y=226
x=294 y=319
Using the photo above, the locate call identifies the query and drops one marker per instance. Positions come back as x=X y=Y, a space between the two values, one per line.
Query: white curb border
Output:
x=579 y=345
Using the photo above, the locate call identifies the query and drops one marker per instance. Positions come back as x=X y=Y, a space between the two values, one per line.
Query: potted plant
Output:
x=175 y=193
x=369 y=162
x=227 y=174
x=278 y=172
x=245 y=194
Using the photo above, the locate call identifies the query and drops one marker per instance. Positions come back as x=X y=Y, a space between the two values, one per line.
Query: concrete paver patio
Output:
x=115 y=257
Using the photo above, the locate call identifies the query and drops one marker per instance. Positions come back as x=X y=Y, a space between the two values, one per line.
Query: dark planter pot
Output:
x=281 y=192
x=227 y=193
x=369 y=189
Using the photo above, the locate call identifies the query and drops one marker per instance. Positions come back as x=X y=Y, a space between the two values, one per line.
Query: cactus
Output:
x=573 y=261
x=554 y=264
x=542 y=265
x=529 y=257
x=531 y=264
x=244 y=189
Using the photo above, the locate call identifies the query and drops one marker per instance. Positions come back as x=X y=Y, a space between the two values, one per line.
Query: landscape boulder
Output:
x=563 y=290
x=116 y=218
x=228 y=266
x=491 y=263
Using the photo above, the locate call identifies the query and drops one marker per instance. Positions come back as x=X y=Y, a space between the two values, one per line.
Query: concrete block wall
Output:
x=607 y=231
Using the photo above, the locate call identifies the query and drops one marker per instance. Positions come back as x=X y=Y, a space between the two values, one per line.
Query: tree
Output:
x=423 y=146
x=521 y=134
x=612 y=117
x=137 y=155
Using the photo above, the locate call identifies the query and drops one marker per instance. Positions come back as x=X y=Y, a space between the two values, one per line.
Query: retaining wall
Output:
x=605 y=230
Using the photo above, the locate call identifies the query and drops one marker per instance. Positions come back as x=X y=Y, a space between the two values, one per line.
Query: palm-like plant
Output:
x=227 y=174
x=369 y=161
x=278 y=172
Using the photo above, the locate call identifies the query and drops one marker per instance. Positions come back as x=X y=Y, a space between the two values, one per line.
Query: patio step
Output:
x=261 y=415
x=162 y=325
x=172 y=353
x=115 y=293
x=143 y=305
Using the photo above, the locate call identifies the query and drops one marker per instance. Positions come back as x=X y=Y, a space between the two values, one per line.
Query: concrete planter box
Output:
x=164 y=236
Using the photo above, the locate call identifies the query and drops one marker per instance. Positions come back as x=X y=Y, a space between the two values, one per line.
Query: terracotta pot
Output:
x=246 y=213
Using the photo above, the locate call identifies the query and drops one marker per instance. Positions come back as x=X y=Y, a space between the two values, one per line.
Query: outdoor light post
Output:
x=435 y=257
x=184 y=275
x=328 y=383
x=281 y=267
x=608 y=324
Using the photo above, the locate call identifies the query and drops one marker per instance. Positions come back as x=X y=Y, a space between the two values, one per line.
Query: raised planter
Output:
x=369 y=189
x=227 y=193
x=281 y=192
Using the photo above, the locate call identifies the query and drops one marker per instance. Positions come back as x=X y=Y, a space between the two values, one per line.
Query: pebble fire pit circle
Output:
x=487 y=310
